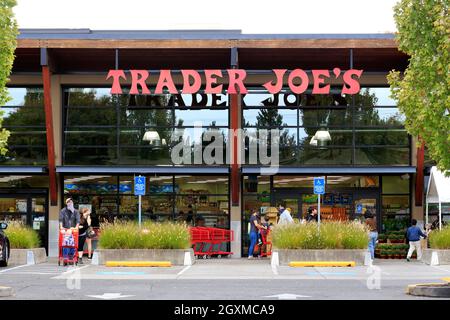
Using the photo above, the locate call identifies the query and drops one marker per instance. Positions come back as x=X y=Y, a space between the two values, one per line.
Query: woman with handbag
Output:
x=85 y=234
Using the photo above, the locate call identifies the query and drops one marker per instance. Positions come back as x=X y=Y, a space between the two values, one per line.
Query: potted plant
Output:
x=382 y=238
x=383 y=254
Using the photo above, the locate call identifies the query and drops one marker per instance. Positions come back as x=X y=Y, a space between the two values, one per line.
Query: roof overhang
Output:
x=8 y=170
x=141 y=170
x=330 y=170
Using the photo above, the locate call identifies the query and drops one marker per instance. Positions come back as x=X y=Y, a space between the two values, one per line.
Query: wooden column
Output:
x=419 y=174
x=46 y=79
x=234 y=125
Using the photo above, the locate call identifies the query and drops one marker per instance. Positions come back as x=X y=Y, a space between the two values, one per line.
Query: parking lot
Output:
x=219 y=279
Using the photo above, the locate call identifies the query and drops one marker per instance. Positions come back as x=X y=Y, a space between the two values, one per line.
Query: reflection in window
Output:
x=24 y=118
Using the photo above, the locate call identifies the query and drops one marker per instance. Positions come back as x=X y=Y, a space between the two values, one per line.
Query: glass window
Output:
x=205 y=117
x=26 y=96
x=143 y=135
x=353 y=181
x=92 y=184
x=325 y=117
x=256 y=184
x=387 y=117
x=90 y=156
x=91 y=116
x=327 y=156
x=396 y=184
x=270 y=117
x=88 y=97
x=141 y=117
x=381 y=137
x=202 y=184
x=292 y=181
x=382 y=156
x=145 y=155
x=374 y=97
x=24 y=118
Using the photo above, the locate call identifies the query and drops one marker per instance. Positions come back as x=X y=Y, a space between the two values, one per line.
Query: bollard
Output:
x=434 y=259
x=275 y=262
x=30 y=257
x=187 y=259
x=367 y=259
x=95 y=258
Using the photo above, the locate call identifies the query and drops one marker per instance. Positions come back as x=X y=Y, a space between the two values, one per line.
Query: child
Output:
x=265 y=225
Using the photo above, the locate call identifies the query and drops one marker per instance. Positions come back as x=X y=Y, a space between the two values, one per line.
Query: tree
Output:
x=8 y=43
x=423 y=91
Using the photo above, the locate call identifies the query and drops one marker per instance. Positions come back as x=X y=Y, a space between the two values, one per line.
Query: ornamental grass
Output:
x=22 y=236
x=330 y=235
x=440 y=239
x=151 y=235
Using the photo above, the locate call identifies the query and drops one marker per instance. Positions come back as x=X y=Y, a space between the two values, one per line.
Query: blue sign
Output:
x=359 y=208
x=319 y=185
x=139 y=186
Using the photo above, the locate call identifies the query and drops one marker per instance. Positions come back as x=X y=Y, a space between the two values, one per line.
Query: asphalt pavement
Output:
x=219 y=279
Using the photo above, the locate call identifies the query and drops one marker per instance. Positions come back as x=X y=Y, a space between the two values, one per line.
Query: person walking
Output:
x=312 y=215
x=413 y=235
x=285 y=217
x=371 y=222
x=69 y=217
x=85 y=223
x=254 y=229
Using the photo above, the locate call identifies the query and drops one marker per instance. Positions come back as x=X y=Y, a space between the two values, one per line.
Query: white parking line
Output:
x=73 y=270
x=183 y=271
x=274 y=270
x=13 y=268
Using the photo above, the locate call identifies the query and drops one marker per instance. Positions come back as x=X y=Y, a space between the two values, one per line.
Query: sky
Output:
x=251 y=16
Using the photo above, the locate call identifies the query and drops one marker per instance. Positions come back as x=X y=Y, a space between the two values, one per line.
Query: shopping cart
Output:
x=209 y=242
x=68 y=247
x=266 y=243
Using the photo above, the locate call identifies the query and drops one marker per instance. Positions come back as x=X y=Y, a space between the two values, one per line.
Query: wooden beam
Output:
x=419 y=174
x=208 y=44
x=234 y=125
x=46 y=77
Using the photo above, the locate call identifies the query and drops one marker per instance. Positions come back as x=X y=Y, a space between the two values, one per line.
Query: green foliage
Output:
x=440 y=239
x=128 y=235
x=8 y=42
x=21 y=236
x=332 y=235
x=423 y=93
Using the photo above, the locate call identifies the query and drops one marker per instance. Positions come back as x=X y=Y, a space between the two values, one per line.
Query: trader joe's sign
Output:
x=297 y=80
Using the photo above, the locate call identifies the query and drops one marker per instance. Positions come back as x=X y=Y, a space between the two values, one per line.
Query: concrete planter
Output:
x=287 y=255
x=176 y=256
x=19 y=256
x=442 y=255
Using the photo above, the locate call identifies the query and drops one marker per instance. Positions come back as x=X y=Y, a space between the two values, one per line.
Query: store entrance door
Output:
x=27 y=206
x=337 y=204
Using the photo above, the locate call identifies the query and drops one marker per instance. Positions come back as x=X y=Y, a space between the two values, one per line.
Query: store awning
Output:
x=141 y=170
x=438 y=187
x=331 y=170
x=438 y=191
x=8 y=170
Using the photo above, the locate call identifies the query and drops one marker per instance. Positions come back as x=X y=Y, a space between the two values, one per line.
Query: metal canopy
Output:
x=7 y=170
x=332 y=170
x=142 y=170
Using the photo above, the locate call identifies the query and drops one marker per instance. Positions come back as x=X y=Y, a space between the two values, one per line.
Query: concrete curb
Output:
x=435 y=290
x=6 y=291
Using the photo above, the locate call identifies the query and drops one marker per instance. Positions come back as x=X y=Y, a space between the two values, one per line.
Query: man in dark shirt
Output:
x=69 y=217
x=413 y=235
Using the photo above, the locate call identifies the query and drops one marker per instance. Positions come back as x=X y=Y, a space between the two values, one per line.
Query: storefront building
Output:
x=70 y=136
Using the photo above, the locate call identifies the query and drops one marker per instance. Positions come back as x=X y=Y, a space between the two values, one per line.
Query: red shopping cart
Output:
x=265 y=248
x=209 y=242
x=68 y=247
